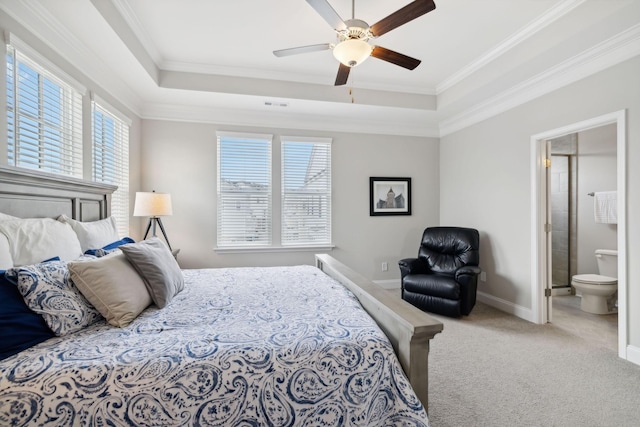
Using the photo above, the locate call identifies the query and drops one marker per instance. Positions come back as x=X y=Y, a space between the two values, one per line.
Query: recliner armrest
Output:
x=467 y=278
x=412 y=266
x=470 y=270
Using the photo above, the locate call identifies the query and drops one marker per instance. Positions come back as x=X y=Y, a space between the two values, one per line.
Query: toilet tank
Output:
x=607 y=262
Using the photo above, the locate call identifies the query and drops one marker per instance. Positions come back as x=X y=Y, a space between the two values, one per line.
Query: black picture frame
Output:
x=389 y=196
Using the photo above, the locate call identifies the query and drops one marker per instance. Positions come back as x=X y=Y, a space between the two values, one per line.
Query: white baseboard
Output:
x=388 y=284
x=633 y=354
x=506 y=306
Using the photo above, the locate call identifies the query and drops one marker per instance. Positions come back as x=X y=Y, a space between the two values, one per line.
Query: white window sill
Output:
x=248 y=249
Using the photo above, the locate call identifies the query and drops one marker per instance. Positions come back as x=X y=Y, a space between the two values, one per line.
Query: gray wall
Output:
x=480 y=188
x=180 y=158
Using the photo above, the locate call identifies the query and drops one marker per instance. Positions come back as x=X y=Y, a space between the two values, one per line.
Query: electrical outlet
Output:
x=385 y=266
x=483 y=276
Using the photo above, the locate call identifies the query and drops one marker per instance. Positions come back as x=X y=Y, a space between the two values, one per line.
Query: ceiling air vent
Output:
x=276 y=104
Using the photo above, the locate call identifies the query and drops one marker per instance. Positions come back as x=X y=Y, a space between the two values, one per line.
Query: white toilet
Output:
x=598 y=289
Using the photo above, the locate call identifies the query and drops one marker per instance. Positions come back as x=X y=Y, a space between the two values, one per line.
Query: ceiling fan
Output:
x=353 y=45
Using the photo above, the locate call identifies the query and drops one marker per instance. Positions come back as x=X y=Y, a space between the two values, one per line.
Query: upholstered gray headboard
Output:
x=27 y=193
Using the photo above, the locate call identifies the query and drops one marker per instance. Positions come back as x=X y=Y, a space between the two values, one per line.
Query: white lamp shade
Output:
x=152 y=204
x=352 y=52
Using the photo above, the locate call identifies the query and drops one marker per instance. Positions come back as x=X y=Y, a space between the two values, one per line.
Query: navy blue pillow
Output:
x=20 y=328
x=109 y=247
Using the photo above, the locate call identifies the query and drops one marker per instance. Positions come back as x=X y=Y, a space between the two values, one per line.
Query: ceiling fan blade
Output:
x=343 y=75
x=302 y=49
x=395 y=57
x=325 y=10
x=402 y=16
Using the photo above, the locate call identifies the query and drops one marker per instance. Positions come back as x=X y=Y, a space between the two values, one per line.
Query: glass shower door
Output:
x=560 y=214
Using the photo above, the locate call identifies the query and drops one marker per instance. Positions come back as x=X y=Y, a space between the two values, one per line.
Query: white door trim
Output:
x=539 y=208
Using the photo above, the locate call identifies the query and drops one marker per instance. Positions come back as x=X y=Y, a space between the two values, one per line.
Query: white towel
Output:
x=605 y=206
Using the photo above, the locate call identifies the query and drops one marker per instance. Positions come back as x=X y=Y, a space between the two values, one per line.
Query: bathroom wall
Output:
x=596 y=171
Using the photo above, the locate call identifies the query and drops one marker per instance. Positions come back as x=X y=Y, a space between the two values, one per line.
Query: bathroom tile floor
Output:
x=597 y=328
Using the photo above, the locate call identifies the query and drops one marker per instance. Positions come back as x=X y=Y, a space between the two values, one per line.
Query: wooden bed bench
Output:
x=409 y=329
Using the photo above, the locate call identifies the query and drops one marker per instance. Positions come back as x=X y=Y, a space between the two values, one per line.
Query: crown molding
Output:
x=621 y=47
x=553 y=14
x=221 y=70
x=36 y=19
x=254 y=118
x=130 y=17
x=52 y=33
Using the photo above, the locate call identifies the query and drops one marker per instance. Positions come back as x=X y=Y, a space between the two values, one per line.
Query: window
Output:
x=111 y=159
x=44 y=112
x=244 y=190
x=306 y=191
x=246 y=194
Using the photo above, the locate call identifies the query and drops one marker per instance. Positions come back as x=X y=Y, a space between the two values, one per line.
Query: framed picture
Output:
x=389 y=196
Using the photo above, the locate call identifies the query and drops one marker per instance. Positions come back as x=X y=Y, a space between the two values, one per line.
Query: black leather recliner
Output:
x=444 y=277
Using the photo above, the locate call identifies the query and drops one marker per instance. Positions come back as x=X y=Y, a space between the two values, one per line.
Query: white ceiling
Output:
x=240 y=36
x=212 y=60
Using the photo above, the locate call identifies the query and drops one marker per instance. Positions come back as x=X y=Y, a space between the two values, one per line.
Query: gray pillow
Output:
x=113 y=286
x=158 y=268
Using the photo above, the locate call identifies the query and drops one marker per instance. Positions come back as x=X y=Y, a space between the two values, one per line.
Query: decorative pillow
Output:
x=48 y=291
x=111 y=247
x=94 y=234
x=6 y=260
x=113 y=286
x=33 y=239
x=157 y=266
x=20 y=328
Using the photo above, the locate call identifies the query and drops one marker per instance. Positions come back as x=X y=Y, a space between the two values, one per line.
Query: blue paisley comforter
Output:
x=274 y=346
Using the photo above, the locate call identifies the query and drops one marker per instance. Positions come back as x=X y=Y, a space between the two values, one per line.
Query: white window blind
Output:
x=244 y=190
x=44 y=113
x=111 y=160
x=306 y=191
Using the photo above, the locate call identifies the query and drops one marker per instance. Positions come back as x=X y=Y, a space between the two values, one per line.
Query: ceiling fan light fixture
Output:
x=352 y=52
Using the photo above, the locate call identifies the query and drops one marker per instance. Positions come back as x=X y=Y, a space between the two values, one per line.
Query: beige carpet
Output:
x=493 y=369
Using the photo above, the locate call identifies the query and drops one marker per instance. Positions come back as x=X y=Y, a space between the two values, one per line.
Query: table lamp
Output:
x=154 y=205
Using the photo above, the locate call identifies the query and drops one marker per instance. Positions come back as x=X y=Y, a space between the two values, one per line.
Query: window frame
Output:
x=120 y=207
x=325 y=196
x=276 y=198
x=70 y=113
x=265 y=240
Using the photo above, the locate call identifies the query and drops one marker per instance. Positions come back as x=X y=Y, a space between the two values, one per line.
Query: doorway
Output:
x=541 y=283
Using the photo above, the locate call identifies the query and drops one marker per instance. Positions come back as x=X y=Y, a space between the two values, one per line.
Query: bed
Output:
x=250 y=346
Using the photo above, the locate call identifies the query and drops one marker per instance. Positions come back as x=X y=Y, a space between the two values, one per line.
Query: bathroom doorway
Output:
x=542 y=263
x=582 y=164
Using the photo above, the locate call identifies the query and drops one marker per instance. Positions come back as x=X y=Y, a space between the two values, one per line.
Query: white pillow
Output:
x=5 y=217
x=34 y=240
x=93 y=235
x=6 y=260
